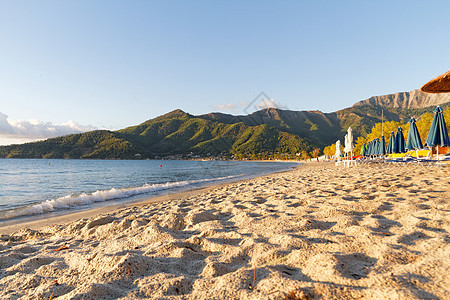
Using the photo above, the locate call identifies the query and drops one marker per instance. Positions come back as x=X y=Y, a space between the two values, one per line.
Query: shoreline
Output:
x=39 y=221
x=16 y=225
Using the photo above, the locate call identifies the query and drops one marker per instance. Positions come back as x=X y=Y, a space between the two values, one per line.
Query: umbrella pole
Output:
x=437 y=151
x=350 y=159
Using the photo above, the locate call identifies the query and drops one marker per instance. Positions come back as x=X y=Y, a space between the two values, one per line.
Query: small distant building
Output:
x=325 y=157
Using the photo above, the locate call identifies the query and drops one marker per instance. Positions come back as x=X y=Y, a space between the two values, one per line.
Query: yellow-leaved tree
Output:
x=377 y=132
x=331 y=150
x=423 y=125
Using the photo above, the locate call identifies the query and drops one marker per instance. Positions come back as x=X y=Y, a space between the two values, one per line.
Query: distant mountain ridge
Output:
x=323 y=129
x=270 y=131
x=410 y=100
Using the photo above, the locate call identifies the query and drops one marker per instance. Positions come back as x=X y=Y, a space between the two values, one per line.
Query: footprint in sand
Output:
x=401 y=257
x=26 y=249
x=30 y=264
x=366 y=196
x=354 y=266
x=411 y=239
x=382 y=225
x=431 y=225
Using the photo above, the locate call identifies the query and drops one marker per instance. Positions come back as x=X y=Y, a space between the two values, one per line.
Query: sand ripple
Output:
x=376 y=232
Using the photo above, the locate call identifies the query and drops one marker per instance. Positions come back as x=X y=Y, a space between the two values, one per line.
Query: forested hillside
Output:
x=266 y=133
x=176 y=133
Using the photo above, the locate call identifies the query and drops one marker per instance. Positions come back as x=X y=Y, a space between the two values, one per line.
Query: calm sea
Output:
x=30 y=187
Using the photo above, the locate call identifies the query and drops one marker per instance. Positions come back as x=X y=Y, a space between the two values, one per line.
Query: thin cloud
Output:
x=247 y=107
x=231 y=107
x=269 y=103
x=20 y=131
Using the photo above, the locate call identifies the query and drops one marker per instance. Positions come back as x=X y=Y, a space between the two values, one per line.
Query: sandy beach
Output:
x=317 y=232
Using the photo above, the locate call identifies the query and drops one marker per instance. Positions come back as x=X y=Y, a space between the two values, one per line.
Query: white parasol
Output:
x=338 y=153
x=349 y=146
x=349 y=141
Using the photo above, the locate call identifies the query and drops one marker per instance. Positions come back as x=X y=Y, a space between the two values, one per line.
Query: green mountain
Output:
x=320 y=128
x=267 y=131
x=172 y=134
x=94 y=144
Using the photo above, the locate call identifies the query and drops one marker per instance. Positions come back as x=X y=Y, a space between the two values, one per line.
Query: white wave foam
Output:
x=71 y=201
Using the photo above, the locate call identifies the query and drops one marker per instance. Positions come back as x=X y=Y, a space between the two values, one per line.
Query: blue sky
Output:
x=79 y=65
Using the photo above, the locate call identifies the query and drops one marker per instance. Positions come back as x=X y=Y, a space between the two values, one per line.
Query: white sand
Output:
x=372 y=232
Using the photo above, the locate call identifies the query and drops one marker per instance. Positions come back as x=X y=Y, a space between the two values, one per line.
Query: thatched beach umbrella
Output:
x=391 y=145
x=400 y=141
x=438 y=135
x=440 y=84
x=413 y=141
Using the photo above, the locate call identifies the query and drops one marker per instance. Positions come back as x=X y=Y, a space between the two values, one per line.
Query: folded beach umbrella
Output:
x=400 y=141
x=378 y=146
x=413 y=141
x=338 y=150
x=372 y=147
x=349 y=141
x=349 y=146
x=382 y=146
x=391 y=145
x=440 y=84
x=363 y=150
x=375 y=146
x=345 y=143
x=369 y=148
x=438 y=135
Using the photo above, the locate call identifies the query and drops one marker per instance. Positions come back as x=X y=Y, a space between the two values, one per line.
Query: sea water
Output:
x=30 y=187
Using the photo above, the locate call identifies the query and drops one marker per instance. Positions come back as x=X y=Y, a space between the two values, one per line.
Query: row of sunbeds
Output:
x=417 y=156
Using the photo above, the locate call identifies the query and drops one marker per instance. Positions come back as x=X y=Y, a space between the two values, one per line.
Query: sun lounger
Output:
x=399 y=157
x=421 y=154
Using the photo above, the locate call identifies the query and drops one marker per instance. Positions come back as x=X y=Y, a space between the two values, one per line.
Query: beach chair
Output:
x=409 y=155
x=422 y=154
x=399 y=157
x=445 y=158
x=426 y=157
